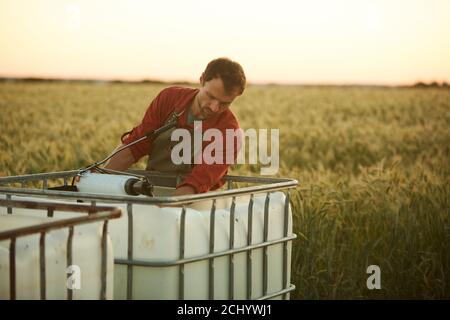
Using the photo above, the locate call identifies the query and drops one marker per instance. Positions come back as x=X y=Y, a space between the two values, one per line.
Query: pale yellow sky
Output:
x=314 y=41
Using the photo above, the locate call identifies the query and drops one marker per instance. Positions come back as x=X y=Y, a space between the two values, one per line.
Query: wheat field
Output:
x=373 y=165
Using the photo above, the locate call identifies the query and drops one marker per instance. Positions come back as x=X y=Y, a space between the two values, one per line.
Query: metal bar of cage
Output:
x=279 y=293
x=212 y=225
x=73 y=173
x=143 y=263
x=104 y=259
x=265 y=249
x=130 y=251
x=231 y=247
x=99 y=213
x=42 y=265
x=12 y=269
x=285 y=282
x=69 y=258
x=182 y=248
x=249 y=244
x=269 y=185
x=9 y=209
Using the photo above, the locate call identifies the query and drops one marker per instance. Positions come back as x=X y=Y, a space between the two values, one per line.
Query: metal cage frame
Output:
x=94 y=214
x=266 y=185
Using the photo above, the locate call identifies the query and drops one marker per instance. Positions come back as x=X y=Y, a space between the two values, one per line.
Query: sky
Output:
x=311 y=42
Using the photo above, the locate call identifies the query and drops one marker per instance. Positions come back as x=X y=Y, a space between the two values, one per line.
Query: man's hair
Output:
x=231 y=73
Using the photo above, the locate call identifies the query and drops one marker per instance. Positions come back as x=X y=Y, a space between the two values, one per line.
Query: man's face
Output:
x=213 y=99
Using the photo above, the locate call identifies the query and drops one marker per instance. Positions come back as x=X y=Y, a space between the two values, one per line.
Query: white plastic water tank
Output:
x=156 y=238
x=86 y=255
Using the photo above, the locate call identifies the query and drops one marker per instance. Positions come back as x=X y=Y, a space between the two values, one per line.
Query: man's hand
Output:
x=184 y=190
x=181 y=191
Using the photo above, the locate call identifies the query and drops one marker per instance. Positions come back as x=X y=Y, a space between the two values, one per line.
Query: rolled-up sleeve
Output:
x=205 y=177
x=151 y=120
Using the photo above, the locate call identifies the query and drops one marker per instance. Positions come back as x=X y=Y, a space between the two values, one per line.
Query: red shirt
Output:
x=203 y=177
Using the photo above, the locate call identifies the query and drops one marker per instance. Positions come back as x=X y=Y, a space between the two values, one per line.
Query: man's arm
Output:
x=121 y=161
x=124 y=159
x=183 y=190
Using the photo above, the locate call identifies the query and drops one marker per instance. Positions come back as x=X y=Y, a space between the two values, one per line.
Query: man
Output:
x=222 y=81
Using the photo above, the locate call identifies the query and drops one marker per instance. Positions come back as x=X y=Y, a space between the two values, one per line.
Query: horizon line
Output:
x=435 y=83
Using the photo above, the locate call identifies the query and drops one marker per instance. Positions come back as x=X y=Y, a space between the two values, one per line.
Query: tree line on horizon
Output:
x=419 y=84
